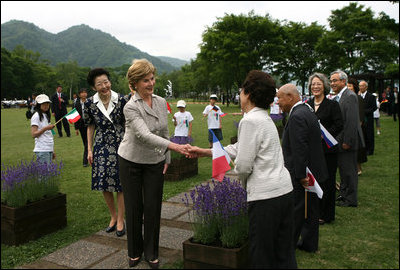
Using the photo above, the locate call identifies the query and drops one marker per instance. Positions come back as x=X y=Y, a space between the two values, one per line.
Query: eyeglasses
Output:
x=334 y=80
x=106 y=82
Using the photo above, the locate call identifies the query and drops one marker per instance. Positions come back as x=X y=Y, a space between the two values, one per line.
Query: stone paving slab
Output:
x=173 y=237
x=186 y=217
x=79 y=255
x=172 y=210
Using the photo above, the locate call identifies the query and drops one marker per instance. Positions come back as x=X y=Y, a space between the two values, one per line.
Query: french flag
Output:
x=329 y=139
x=313 y=185
x=220 y=159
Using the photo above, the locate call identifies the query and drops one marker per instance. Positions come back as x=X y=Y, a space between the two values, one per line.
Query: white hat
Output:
x=181 y=103
x=214 y=96
x=42 y=98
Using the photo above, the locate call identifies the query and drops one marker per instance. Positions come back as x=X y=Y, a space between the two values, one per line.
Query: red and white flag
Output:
x=313 y=185
x=220 y=159
x=73 y=116
x=169 y=108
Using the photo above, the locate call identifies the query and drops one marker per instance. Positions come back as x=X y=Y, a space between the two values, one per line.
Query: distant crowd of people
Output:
x=126 y=142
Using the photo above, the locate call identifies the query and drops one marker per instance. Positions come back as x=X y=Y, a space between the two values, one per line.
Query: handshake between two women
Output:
x=190 y=151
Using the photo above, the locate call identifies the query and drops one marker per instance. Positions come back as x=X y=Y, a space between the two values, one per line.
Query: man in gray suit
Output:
x=348 y=139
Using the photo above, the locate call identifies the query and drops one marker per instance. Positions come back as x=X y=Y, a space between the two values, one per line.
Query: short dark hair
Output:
x=95 y=73
x=82 y=90
x=354 y=82
x=261 y=88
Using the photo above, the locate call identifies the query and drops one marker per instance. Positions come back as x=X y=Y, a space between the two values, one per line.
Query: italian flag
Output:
x=72 y=116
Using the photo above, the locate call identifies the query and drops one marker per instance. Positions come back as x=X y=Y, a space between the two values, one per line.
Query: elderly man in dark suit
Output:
x=348 y=140
x=370 y=107
x=59 y=102
x=301 y=145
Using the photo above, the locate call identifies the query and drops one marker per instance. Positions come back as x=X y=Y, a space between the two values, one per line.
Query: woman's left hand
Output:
x=165 y=168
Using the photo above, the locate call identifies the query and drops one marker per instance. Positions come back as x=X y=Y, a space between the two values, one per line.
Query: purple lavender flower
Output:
x=28 y=181
x=222 y=202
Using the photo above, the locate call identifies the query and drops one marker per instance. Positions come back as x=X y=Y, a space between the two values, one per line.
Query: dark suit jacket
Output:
x=80 y=123
x=352 y=134
x=330 y=117
x=54 y=104
x=370 y=106
x=301 y=145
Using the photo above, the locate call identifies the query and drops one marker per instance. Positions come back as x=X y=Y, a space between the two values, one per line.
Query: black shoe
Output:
x=340 y=198
x=345 y=204
x=68 y=136
x=321 y=222
x=85 y=165
x=153 y=264
x=112 y=228
x=133 y=263
x=121 y=233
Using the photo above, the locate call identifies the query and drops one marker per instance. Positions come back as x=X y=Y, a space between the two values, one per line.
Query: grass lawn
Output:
x=363 y=237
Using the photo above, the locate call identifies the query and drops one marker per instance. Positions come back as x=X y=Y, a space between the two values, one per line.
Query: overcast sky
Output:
x=168 y=28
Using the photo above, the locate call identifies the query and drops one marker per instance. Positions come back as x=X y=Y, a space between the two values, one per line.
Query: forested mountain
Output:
x=88 y=46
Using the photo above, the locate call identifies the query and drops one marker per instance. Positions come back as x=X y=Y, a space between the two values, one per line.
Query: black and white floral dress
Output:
x=109 y=131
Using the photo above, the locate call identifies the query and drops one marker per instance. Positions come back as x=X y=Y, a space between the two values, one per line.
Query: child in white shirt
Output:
x=214 y=114
x=182 y=121
x=41 y=130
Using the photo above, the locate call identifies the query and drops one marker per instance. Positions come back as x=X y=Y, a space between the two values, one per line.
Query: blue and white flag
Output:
x=329 y=139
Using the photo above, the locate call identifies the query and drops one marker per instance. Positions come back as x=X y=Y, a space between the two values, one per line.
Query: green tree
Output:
x=358 y=42
x=236 y=44
x=299 y=58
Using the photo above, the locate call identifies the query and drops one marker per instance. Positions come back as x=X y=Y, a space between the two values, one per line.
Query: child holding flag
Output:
x=214 y=114
x=41 y=130
x=182 y=121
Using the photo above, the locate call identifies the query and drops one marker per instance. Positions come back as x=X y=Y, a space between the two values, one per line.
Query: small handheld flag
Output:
x=329 y=139
x=313 y=185
x=220 y=159
x=73 y=116
x=169 y=108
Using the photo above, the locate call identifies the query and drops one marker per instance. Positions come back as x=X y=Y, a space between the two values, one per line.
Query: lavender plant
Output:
x=29 y=182
x=219 y=213
x=180 y=140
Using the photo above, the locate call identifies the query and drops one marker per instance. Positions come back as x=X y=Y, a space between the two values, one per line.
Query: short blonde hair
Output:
x=139 y=69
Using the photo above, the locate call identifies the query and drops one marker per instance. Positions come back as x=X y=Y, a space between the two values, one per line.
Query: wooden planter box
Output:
x=181 y=168
x=29 y=222
x=198 y=256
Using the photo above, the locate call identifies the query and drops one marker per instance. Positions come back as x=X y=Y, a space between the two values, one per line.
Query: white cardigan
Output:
x=258 y=157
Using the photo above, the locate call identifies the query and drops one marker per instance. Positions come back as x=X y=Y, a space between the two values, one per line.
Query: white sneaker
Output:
x=378 y=132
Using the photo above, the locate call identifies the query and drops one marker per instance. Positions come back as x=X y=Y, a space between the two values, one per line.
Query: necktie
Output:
x=59 y=101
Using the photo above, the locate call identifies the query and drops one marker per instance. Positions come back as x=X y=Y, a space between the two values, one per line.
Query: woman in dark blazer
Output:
x=330 y=116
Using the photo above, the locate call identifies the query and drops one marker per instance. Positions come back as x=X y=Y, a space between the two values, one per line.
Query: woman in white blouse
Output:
x=260 y=166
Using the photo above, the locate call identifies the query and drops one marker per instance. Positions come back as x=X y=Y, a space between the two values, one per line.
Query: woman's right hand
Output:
x=90 y=158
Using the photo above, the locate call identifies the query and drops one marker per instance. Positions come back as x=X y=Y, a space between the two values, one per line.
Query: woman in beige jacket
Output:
x=144 y=158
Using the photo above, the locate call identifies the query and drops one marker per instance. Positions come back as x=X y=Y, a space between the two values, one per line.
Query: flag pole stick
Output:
x=59 y=120
x=305 y=200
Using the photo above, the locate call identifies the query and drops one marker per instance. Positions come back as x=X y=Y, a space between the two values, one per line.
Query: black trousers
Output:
x=327 y=203
x=306 y=232
x=142 y=185
x=83 y=132
x=271 y=224
x=64 y=123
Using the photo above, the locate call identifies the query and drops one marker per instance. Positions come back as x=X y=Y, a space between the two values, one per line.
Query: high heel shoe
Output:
x=112 y=228
x=121 y=233
x=155 y=264
x=133 y=263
